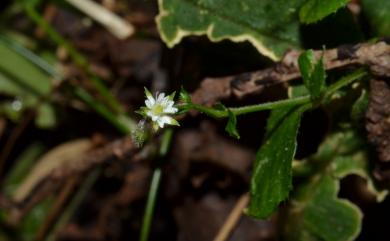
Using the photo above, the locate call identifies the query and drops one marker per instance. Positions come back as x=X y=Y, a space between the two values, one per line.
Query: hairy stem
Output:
x=223 y=113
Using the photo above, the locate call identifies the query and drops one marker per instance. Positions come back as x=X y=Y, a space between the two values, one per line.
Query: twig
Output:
x=117 y=149
x=6 y=151
x=74 y=203
x=374 y=55
x=116 y=25
x=233 y=218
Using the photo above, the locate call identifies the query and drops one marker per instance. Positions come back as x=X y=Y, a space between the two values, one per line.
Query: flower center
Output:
x=157 y=109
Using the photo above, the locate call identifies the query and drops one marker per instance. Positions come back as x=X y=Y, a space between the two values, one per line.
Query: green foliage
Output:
x=315 y=10
x=323 y=216
x=313 y=74
x=316 y=212
x=27 y=84
x=271 y=178
x=272 y=26
x=378 y=15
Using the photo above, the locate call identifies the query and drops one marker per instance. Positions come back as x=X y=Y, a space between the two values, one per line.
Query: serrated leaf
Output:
x=272 y=26
x=378 y=14
x=271 y=178
x=313 y=73
x=315 y=10
x=231 y=126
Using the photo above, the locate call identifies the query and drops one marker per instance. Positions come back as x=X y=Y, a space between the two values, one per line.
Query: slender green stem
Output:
x=76 y=56
x=346 y=80
x=148 y=215
x=271 y=105
x=152 y=196
x=212 y=112
x=216 y=113
x=165 y=142
x=251 y=108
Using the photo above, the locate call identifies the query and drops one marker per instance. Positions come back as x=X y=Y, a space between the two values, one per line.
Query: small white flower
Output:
x=159 y=109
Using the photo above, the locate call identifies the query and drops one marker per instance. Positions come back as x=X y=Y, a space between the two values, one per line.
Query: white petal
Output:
x=148 y=103
x=160 y=97
x=152 y=116
x=164 y=102
x=163 y=120
x=166 y=119
x=170 y=110
x=150 y=100
x=170 y=103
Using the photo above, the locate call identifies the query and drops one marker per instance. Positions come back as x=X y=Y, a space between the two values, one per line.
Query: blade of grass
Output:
x=122 y=122
x=101 y=109
x=78 y=58
x=152 y=196
x=31 y=56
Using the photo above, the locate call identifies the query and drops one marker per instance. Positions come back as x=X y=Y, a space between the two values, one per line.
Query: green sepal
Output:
x=147 y=93
x=172 y=96
x=174 y=122
x=231 y=126
x=184 y=96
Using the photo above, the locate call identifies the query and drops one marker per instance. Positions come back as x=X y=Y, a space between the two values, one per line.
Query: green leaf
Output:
x=314 y=10
x=271 y=178
x=27 y=84
x=316 y=212
x=323 y=216
x=313 y=74
x=231 y=126
x=23 y=72
x=295 y=91
x=378 y=15
x=272 y=26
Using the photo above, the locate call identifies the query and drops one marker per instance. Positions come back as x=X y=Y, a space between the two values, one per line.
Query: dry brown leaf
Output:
x=58 y=156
